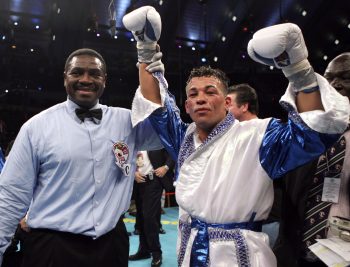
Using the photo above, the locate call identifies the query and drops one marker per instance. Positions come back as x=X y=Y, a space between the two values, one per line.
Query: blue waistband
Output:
x=253 y=226
x=200 y=246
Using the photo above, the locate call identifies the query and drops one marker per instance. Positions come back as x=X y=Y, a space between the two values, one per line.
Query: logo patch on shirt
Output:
x=121 y=153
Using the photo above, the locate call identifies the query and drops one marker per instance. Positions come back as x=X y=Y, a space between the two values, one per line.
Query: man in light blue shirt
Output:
x=71 y=171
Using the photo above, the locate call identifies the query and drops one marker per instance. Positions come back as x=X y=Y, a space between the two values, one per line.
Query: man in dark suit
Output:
x=154 y=172
x=292 y=246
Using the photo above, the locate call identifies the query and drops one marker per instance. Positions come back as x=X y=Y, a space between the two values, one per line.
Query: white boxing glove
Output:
x=145 y=24
x=279 y=45
x=283 y=46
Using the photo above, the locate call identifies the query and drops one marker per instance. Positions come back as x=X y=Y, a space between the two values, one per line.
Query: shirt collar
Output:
x=71 y=106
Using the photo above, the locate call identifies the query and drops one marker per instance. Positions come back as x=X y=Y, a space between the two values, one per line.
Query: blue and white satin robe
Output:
x=228 y=178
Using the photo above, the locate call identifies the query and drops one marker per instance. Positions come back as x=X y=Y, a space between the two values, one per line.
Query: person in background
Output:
x=154 y=171
x=305 y=207
x=244 y=102
x=245 y=106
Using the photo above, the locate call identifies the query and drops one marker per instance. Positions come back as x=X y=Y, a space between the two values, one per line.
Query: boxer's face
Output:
x=206 y=103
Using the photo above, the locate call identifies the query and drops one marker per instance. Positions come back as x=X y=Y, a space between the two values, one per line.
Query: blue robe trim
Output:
x=287 y=146
x=235 y=235
x=187 y=147
x=185 y=232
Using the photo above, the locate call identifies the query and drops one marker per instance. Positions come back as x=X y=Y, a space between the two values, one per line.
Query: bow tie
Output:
x=85 y=113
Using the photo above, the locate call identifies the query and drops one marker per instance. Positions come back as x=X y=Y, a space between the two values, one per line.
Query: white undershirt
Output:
x=143 y=163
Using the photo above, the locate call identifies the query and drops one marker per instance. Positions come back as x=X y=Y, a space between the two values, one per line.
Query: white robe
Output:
x=224 y=182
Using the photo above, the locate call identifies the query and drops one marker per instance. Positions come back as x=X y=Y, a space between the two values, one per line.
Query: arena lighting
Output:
x=336 y=41
x=98 y=35
x=234 y=18
x=115 y=36
x=325 y=57
x=15 y=23
x=31 y=50
x=3 y=37
x=271 y=67
x=223 y=38
x=203 y=59
x=53 y=37
x=349 y=26
x=6 y=91
x=37 y=27
x=132 y=39
x=160 y=2
x=58 y=10
x=304 y=13
x=215 y=59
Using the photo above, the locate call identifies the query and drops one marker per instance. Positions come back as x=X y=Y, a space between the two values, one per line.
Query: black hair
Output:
x=245 y=94
x=207 y=71
x=86 y=51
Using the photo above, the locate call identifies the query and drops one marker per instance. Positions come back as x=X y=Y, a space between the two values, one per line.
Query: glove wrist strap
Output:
x=146 y=45
x=145 y=55
x=146 y=51
x=296 y=67
x=301 y=76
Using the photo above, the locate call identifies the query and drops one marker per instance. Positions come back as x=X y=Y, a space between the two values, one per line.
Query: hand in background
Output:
x=161 y=171
x=139 y=178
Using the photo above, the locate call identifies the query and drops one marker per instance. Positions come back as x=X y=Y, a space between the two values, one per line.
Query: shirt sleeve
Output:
x=16 y=186
x=169 y=161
